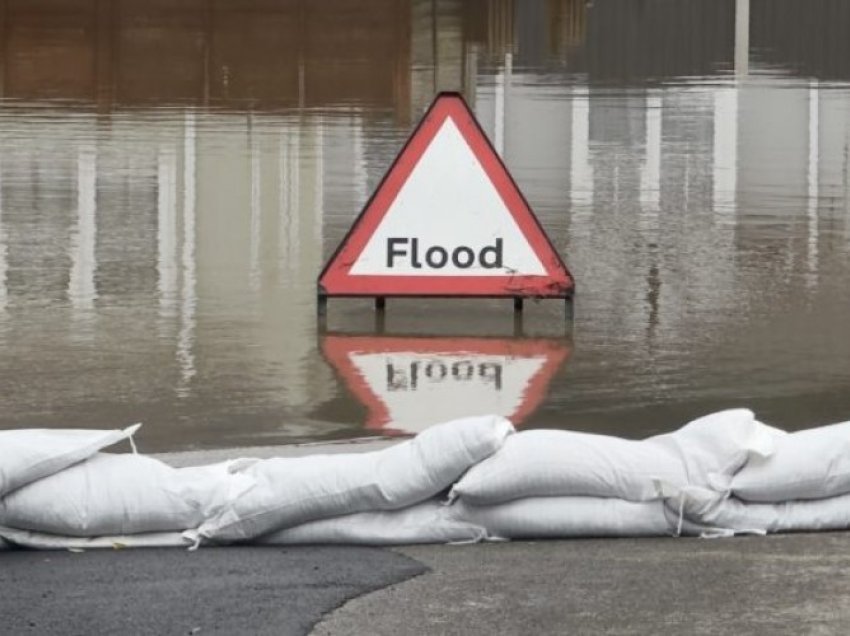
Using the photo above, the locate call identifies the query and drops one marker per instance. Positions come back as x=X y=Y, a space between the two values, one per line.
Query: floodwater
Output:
x=173 y=175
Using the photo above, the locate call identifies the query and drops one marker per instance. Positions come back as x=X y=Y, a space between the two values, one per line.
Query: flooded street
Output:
x=174 y=175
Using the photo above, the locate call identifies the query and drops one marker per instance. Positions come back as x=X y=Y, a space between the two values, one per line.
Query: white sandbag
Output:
x=810 y=464
x=210 y=488
x=705 y=507
x=30 y=454
x=572 y=517
x=110 y=495
x=566 y=463
x=427 y=522
x=42 y=541
x=293 y=491
x=716 y=446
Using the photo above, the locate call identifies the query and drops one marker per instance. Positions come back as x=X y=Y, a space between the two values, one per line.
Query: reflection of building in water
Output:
x=259 y=245
x=189 y=295
x=39 y=206
x=170 y=221
x=646 y=170
x=81 y=281
x=3 y=266
x=799 y=155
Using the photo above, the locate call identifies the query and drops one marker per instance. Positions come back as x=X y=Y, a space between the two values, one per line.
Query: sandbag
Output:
x=705 y=507
x=31 y=454
x=566 y=463
x=716 y=446
x=570 y=517
x=293 y=491
x=42 y=541
x=811 y=464
x=427 y=522
x=212 y=487
x=117 y=495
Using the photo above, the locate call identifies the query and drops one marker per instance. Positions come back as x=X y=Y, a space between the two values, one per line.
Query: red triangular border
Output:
x=335 y=279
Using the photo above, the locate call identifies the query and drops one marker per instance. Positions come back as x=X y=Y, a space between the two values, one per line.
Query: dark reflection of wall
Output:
x=282 y=52
x=288 y=53
x=610 y=40
x=357 y=50
x=48 y=48
x=808 y=37
x=626 y=40
x=256 y=51
x=489 y=23
x=637 y=39
x=537 y=31
x=532 y=17
x=157 y=49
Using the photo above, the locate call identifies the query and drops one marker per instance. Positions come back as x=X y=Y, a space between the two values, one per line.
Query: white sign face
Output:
x=448 y=219
x=419 y=390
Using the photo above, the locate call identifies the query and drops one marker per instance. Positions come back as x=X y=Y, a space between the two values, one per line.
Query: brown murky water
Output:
x=174 y=174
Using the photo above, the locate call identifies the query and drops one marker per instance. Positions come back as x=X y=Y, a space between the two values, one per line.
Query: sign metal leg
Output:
x=322 y=313
x=380 y=323
x=519 y=326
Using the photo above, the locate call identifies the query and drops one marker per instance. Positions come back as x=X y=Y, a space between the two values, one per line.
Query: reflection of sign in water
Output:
x=410 y=383
x=447 y=220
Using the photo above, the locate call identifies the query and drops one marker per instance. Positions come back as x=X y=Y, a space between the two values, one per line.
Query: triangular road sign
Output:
x=447 y=220
x=395 y=376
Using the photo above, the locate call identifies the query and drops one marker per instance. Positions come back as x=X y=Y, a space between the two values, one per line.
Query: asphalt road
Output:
x=792 y=584
x=236 y=590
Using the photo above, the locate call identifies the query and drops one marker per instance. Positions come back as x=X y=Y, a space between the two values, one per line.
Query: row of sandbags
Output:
x=58 y=490
x=720 y=475
x=462 y=481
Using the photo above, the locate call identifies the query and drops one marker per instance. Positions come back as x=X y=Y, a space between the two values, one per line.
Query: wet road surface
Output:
x=779 y=585
x=173 y=591
x=776 y=585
